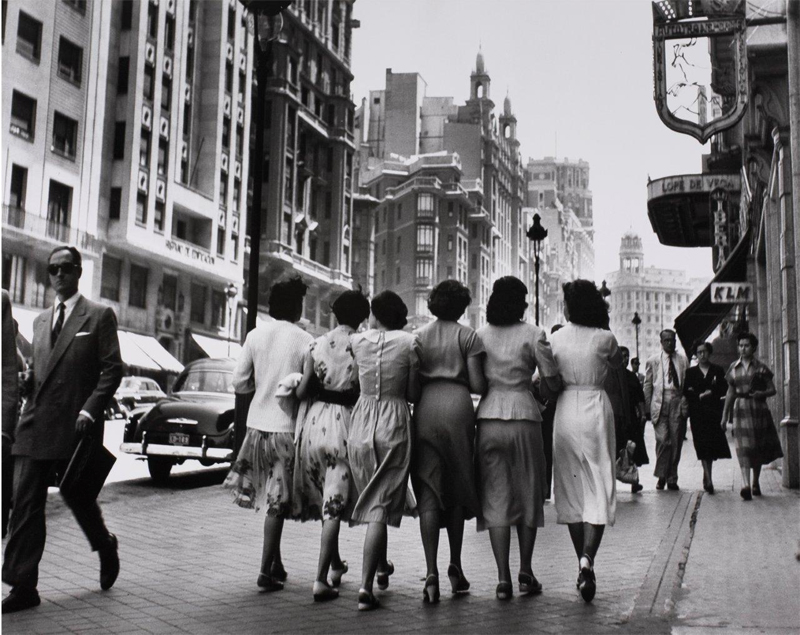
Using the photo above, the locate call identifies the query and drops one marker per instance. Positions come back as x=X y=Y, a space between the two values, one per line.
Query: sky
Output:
x=576 y=71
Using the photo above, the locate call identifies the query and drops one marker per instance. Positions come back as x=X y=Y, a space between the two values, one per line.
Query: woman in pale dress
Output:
x=442 y=460
x=322 y=481
x=261 y=476
x=584 y=472
x=379 y=442
x=510 y=463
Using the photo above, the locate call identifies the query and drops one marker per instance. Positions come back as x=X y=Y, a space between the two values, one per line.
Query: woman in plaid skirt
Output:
x=755 y=437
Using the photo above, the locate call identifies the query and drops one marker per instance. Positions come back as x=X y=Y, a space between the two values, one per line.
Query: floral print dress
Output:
x=322 y=481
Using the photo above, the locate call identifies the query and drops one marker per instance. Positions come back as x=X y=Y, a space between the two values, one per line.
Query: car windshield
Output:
x=200 y=380
x=129 y=383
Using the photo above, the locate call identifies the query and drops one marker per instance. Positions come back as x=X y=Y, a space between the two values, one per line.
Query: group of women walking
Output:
x=331 y=435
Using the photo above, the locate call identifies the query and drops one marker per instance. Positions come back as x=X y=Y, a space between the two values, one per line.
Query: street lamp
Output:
x=537 y=233
x=231 y=291
x=604 y=290
x=636 y=321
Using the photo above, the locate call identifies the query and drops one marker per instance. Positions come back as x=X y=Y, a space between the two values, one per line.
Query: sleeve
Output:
x=415 y=354
x=730 y=375
x=243 y=375
x=474 y=345
x=544 y=355
x=110 y=365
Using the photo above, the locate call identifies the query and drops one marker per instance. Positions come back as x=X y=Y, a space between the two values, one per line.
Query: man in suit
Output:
x=76 y=369
x=663 y=383
x=10 y=403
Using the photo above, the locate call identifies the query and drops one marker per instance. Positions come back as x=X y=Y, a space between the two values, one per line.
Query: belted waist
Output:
x=744 y=395
x=339 y=397
x=587 y=387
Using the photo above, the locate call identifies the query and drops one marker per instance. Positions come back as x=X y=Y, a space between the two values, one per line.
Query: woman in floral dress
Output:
x=322 y=480
x=379 y=443
x=754 y=434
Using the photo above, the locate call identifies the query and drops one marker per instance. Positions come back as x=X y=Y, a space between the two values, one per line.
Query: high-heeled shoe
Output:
x=504 y=591
x=709 y=487
x=458 y=581
x=756 y=490
x=367 y=601
x=336 y=574
x=746 y=494
x=382 y=578
x=323 y=592
x=278 y=572
x=430 y=594
x=528 y=584
x=587 y=583
x=268 y=584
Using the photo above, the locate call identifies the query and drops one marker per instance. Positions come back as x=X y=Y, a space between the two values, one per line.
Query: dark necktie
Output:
x=59 y=324
x=673 y=374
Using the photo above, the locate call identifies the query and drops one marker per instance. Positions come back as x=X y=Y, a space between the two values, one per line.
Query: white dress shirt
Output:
x=69 y=305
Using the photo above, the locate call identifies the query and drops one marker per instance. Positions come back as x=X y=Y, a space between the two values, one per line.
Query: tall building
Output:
x=657 y=295
x=309 y=146
x=128 y=128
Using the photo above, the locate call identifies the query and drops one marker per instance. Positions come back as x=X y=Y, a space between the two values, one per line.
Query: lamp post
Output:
x=231 y=291
x=636 y=321
x=536 y=234
x=604 y=290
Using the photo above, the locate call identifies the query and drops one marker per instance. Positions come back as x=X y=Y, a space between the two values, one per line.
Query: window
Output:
x=166 y=92
x=234 y=249
x=228 y=77
x=119 y=140
x=239 y=140
x=198 y=308
x=14 y=267
x=29 y=37
x=144 y=148
x=123 y=71
x=220 y=241
x=163 y=152
x=187 y=120
x=223 y=188
x=137 y=294
x=148 y=82
x=23 y=115
x=79 y=5
x=424 y=270
x=127 y=15
x=70 y=61
x=189 y=64
x=237 y=190
x=424 y=238
x=169 y=291
x=152 y=20
x=58 y=209
x=449 y=272
x=158 y=216
x=226 y=133
x=115 y=203
x=110 y=278
x=218 y=308
x=141 y=208
x=65 y=131
x=450 y=242
x=231 y=23
x=19 y=183
x=241 y=86
x=169 y=32
x=425 y=205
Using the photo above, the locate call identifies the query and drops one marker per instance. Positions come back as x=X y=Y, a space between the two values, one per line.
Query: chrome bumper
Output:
x=180 y=451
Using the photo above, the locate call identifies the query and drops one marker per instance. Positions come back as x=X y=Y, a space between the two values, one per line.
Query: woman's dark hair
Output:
x=351 y=308
x=286 y=299
x=449 y=299
x=390 y=310
x=507 y=303
x=625 y=349
x=585 y=304
x=698 y=343
x=750 y=337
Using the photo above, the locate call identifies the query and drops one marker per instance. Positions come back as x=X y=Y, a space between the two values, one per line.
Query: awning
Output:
x=701 y=317
x=132 y=355
x=217 y=348
x=156 y=352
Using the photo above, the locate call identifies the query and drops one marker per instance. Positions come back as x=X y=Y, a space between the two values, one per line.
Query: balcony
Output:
x=419 y=182
x=457 y=189
x=38 y=227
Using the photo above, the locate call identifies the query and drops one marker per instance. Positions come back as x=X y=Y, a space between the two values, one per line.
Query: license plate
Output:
x=178 y=438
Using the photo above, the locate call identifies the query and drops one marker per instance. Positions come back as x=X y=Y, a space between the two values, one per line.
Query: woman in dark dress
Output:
x=704 y=388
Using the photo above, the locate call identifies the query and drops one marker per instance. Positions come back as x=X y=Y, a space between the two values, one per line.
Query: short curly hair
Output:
x=750 y=337
x=585 y=304
x=448 y=300
x=698 y=343
x=351 y=308
x=390 y=310
x=286 y=299
x=507 y=303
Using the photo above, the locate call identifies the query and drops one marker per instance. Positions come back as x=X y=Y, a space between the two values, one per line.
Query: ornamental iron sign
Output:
x=700 y=65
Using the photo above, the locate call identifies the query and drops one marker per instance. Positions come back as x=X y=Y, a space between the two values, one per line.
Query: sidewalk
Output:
x=190 y=559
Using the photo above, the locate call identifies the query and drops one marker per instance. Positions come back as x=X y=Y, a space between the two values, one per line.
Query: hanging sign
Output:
x=731 y=292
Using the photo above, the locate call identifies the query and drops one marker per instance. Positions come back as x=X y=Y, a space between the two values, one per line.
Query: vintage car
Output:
x=134 y=392
x=194 y=422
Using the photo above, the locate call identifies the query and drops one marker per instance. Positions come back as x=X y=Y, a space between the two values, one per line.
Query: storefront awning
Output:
x=702 y=316
x=132 y=355
x=156 y=352
x=217 y=348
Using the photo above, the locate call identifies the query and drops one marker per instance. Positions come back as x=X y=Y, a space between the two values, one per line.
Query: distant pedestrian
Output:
x=379 y=442
x=509 y=450
x=322 y=481
x=705 y=388
x=756 y=440
x=636 y=417
x=635 y=369
x=76 y=370
x=443 y=458
x=725 y=345
x=10 y=404
x=584 y=470
x=261 y=476
x=663 y=387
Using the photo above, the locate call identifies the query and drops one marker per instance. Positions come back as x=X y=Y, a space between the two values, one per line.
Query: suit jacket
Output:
x=654 y=381
x=82 y=372
x=10 y=383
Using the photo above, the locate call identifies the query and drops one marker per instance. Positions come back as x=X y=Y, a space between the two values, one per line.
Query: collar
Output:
x=740 y=362
x=69 y=303
x=374 y=335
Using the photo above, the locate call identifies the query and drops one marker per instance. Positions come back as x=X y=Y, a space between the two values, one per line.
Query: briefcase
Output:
x=87 y=470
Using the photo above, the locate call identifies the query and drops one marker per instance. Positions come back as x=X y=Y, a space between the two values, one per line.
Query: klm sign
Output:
x=731 y=292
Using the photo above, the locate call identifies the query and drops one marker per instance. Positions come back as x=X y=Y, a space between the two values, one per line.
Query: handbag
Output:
x=87 y=471
x=627 y=472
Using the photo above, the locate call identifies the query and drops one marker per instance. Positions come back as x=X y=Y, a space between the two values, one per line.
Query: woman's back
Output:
x=582 y=354
x=384 y=359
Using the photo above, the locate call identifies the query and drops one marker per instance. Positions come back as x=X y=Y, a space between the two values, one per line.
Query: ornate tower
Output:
x=508 y=122
x=631 y=254
x=479 y=79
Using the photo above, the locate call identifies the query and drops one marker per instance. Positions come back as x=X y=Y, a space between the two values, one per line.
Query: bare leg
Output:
x=593 y=534
x=500 y=537
x=273 y=528
x=576 y=533
x=455 y=535
x=707 y=472
x=745 y=477
x=527 y=539
x=374 y=553
x=429 y=530
x=329 y=549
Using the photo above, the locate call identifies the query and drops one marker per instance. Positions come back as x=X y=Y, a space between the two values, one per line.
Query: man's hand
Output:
x=705 y=394
x=83 y=425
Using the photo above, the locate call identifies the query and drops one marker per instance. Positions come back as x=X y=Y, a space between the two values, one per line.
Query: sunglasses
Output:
x=66 y=267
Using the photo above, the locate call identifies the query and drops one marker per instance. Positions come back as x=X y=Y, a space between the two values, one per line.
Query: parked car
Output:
x=138 y=391
x=194 y=422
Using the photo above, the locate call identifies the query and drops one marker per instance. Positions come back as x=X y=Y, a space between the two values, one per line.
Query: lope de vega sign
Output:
x=731 y=292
